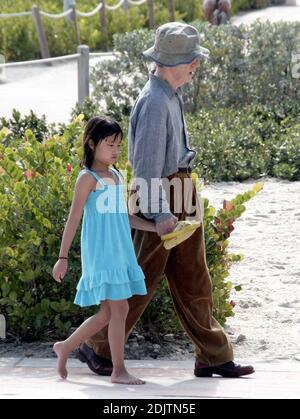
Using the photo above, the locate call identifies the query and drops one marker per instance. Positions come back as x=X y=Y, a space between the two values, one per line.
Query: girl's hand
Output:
x=60 y=270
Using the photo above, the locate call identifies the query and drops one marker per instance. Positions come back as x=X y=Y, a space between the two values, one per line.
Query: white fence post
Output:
x=83 y=73
x=103 y=22
x=2 y=327
x=126 y=5
x=40 y=32
x=2 y=67
x=171 y=7
x=76 y=26
x=151 y=13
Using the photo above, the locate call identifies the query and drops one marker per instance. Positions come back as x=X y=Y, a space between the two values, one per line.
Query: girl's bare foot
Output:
x=125 y=378
x=62 y=354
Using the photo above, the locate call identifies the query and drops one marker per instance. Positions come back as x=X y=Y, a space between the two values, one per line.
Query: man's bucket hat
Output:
x=176 y=43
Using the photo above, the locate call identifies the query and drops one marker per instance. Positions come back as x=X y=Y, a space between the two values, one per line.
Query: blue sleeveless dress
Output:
x=109 y=266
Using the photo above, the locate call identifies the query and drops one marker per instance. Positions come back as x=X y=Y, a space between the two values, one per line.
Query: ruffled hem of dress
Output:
x=116 y=284
x=114 y=277
x=110 y=292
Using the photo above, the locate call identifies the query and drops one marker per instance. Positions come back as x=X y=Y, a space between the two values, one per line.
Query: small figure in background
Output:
x=217 y=12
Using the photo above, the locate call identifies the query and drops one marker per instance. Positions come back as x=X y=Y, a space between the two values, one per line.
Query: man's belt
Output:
x=185 y=169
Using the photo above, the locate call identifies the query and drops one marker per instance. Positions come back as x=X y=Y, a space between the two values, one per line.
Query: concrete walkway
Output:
x=47 y=90
x=33 y=378
x=272 y=14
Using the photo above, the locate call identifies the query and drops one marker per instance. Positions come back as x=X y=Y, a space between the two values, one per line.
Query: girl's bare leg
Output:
x=88 y=328
x=116 y=338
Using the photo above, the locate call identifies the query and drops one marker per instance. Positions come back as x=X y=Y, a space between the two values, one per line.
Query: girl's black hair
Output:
x=97 y=129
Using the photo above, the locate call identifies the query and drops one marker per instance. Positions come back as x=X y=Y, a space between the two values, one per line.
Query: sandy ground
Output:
x=267 y=321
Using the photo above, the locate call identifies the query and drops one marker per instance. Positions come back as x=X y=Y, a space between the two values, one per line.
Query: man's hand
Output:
x=166 y=226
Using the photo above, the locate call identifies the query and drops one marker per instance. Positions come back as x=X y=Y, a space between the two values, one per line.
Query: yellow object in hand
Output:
x=182 y=231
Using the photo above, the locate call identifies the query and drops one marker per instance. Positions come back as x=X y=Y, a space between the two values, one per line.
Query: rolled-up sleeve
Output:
x=148 y=158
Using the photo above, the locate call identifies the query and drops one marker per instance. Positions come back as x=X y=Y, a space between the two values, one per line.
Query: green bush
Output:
x=228 y=145
x=238 y=5
x=18 y=39
x=17 y=125
x=286 y=154
x=116 y=83
x=253 y=142
x=249 y=143
x=218 y=226
x=36 y=187
x=248 y=66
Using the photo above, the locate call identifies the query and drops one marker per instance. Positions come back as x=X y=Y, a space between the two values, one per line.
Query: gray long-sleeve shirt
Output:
x=158 y=143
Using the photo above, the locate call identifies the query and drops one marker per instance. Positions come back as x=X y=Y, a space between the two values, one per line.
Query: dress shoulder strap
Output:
x=96 y=176
x=118 y=174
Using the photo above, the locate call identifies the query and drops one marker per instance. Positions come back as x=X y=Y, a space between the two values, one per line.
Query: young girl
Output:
x=110 y=272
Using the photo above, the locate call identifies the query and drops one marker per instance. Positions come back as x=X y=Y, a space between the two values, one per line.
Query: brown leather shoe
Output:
x=97 y=364
x=228 y=370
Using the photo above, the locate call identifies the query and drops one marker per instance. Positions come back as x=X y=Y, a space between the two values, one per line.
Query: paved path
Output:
x=48 y=90
x=36 y=378
x=273 y=14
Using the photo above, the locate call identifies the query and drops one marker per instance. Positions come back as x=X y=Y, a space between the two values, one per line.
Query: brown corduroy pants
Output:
x=189 y=283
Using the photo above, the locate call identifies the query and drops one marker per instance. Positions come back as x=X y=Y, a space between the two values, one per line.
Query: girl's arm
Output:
x=141 y=224
x=84 y=184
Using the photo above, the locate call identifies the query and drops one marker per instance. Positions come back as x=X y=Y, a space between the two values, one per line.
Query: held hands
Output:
x=60 y=270
x=166 y=226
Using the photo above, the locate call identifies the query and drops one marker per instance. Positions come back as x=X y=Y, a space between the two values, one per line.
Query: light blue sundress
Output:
x=109 y=266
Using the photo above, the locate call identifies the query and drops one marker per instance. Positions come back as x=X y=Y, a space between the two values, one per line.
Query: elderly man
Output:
x=159 y=152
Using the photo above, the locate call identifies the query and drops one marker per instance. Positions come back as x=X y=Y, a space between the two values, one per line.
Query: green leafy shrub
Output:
x=36 y=187
x=248 y=66
x=228 y=145
x=116 y=83
x=18 y=39
x=88 y=109
x=218 y=226
x=17 y=125
x=250 y=143
x=253 y=142
x=285 y=152
x=238 y=5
